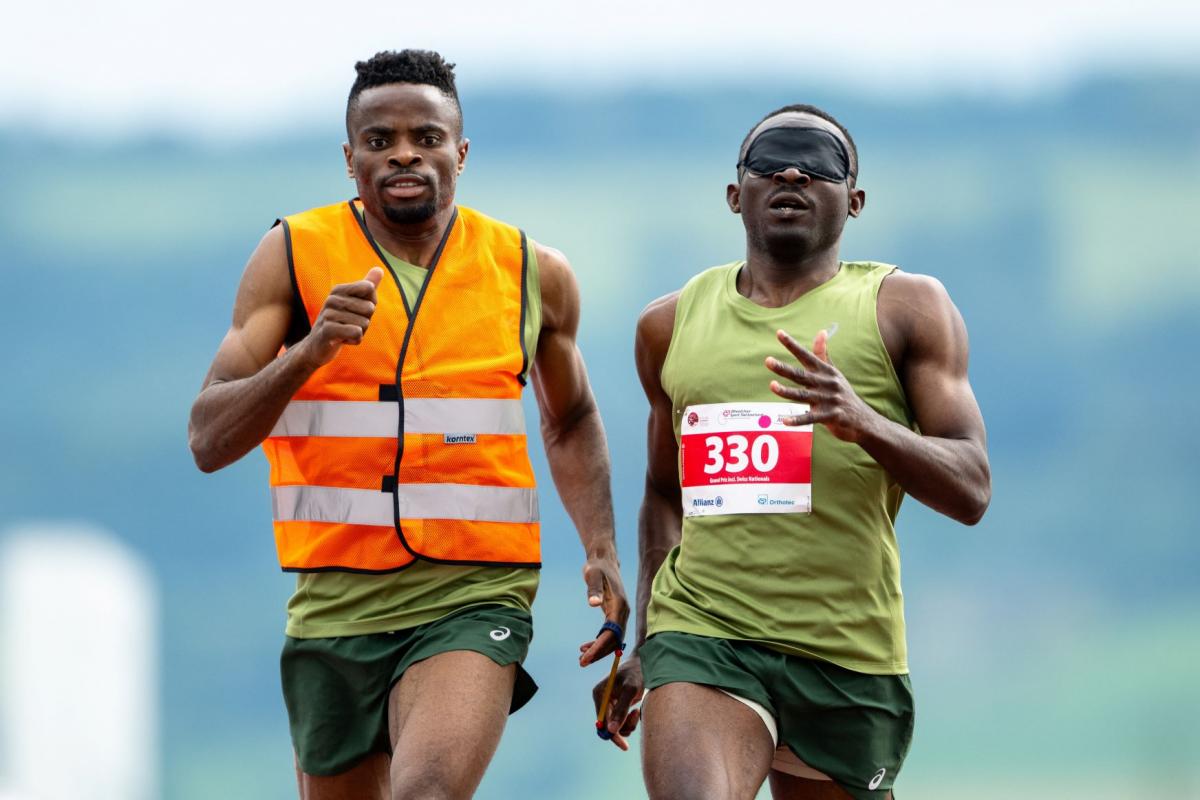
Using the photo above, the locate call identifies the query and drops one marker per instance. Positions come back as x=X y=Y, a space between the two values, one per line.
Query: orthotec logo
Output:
x=762 y=499
x=500 y=634
x=877 y=779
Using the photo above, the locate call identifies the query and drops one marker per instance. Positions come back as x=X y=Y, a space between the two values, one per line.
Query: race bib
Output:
x=739 y=458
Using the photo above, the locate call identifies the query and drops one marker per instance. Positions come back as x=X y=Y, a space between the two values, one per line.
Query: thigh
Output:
x=445 y=717
x=698 y=742
x=854 y=727
x=366 y=780
x=791 y=787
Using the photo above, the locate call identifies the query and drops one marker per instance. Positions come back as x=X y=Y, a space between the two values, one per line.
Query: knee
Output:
x=686 y=785
x=430 y=784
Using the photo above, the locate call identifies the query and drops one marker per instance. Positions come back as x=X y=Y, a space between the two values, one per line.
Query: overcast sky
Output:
x=230 y=67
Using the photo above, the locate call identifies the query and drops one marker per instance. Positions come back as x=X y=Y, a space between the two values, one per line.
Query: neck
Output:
x=416 y=243
x=773 y=281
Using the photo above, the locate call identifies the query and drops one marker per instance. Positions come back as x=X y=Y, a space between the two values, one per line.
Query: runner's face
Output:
x=405 y=151
x=792 y=214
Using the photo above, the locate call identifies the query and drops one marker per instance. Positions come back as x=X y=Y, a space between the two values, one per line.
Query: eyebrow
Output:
x=377 y=129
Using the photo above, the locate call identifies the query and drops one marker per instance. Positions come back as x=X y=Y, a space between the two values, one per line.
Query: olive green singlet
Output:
x=824 y=584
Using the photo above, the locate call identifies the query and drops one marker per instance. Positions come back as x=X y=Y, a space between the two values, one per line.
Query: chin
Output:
x=410 y=215
x=787 y=243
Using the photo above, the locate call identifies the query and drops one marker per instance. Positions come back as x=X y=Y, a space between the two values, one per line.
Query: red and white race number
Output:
x=739 y=458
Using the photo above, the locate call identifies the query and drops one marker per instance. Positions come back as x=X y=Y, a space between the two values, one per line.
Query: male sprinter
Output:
x=400 y=483
x=794 y=400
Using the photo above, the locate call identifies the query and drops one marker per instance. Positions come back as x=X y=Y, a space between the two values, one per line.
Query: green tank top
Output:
x=823 y=584
x=349 y=604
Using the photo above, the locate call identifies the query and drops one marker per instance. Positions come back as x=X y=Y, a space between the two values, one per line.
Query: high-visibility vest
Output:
x=411 y=444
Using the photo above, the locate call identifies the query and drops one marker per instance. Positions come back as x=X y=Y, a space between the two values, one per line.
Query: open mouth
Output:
x=404 y=186
x=788 y=202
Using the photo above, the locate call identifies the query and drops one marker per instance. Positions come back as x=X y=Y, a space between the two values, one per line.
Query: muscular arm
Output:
x=660 y=520
x=576 y=448
x=945 y=465
x=247 y=386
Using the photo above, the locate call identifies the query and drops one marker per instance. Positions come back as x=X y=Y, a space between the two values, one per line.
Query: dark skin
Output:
x=790 y=251
x=405 y=153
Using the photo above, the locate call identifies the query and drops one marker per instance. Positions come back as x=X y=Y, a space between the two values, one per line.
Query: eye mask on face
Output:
x=813 y=151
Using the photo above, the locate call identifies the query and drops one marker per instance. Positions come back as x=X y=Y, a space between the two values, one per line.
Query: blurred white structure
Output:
x=78 y=667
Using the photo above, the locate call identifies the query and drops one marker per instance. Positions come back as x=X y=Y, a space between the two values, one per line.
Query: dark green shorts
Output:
x=854 y=727
x=336 y=689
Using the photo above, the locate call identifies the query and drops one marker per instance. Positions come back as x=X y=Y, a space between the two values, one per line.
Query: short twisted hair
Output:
x=404 y=66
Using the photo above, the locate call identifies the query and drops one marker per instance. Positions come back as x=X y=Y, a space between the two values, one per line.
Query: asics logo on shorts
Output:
x=500 y=634
x=877 y=779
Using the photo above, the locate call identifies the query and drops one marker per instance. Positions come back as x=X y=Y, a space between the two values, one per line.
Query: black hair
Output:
x=405 y=66
x=805 y=108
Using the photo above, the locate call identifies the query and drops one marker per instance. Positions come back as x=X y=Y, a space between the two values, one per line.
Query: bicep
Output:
x=650 y=348
x=559 y=375
x=934 y=369
x=261 y=314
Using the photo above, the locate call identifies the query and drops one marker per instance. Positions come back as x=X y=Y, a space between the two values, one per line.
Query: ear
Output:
x=349 y=160
x=858 y=200
x=463 y=147
x=733 y=196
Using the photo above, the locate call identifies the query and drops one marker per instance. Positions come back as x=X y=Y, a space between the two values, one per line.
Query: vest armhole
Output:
x=523 y=375
x=299 y=327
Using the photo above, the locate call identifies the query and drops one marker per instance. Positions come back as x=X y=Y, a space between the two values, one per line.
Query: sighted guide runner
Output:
x=794 y=400
x=378 y=353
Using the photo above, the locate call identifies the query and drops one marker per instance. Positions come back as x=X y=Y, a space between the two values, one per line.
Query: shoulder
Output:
x=552 y=264
x=267 y=274
x=908 y=298
x=558 y=286
x=915 y=311
x=657 y=321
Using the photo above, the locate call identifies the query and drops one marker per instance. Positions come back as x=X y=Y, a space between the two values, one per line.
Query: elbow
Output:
x=204 y=462
x=976 y=506
x=203 y=454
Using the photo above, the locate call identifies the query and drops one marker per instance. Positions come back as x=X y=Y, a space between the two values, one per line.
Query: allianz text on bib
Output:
x=739 y=458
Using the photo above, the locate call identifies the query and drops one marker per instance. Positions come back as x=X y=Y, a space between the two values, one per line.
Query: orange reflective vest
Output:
x=410 y=445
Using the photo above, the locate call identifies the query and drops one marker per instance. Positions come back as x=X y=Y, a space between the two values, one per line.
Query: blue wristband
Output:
x=609 y=625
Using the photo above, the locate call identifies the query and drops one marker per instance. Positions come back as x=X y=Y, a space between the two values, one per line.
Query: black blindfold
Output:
x=813 y=151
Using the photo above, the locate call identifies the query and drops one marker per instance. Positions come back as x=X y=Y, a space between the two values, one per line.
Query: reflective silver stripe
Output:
x=337 y=418
x=421 y=415
x=326 y=504
x=463 y=415
x=417 y=501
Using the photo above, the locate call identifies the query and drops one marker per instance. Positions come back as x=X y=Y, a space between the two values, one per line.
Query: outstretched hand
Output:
x=602 y=574
x=831 y=399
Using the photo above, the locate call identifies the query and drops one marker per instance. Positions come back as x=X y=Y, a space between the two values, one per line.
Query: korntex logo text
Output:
x=767 y=500
x=710 y=502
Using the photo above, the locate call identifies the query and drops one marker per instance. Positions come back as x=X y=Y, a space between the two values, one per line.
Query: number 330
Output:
x=763 y=453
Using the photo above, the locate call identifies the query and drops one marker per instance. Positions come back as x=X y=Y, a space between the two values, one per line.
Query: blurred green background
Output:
x=1054 y=647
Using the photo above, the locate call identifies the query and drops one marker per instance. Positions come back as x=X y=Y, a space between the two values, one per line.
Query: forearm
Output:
x=577 y=452
x=660 y=524
x=951 y=476
x=231 y=418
